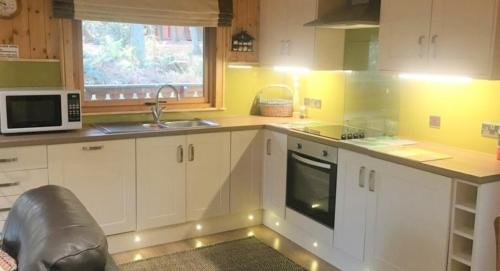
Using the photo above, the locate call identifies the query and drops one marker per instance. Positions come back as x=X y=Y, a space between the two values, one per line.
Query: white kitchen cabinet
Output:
x=404 y=35
x=351 y=204
x=285 y=41
x=102 y=176
x=440 y=36
x=161 y=181
x=408 y=219
x=207 y=175
x=23 y=158
x=406 y=214
x=462 y=35
x=272 y=23
x=246 y=170
x=14 y=183
x=274 y=178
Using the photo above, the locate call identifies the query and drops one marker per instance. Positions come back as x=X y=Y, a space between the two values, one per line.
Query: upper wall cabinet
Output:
x=285 y=41
x=440 y=36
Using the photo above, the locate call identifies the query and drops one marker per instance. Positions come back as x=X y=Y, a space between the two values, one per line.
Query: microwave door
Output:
x=33 y=111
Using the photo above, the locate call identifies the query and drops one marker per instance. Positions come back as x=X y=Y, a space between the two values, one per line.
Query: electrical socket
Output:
x=489 y=129
x=312 y=103
x=435 y=122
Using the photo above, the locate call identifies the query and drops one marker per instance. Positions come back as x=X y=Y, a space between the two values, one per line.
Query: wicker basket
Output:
x=276 y=107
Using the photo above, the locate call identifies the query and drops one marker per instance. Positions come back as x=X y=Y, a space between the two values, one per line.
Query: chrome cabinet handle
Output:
x=421 y=41
x=180 y=154
x=92 y=148
x=434 y=45
x=268 y=147
x=8 y=160
x=371 y=181
x=191 y=153
x=361 y=180
x=9 y=184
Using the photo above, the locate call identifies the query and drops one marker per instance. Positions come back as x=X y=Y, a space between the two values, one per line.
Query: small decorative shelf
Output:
x=463 y=226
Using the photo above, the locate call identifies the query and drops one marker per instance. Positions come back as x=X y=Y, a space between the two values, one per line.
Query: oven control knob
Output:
x=325 y=153
x=299 y=146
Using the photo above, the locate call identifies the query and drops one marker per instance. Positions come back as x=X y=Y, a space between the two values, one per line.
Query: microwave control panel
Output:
x=74 y=107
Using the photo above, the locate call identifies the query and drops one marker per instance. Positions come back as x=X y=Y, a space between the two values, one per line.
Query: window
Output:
x=124 y=64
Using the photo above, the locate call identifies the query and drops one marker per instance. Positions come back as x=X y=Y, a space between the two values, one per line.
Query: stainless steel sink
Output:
x=183 y=124
x=135 y=127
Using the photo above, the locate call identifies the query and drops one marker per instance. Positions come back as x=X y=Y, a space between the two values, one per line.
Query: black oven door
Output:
x=311 y=187
x=32 y=111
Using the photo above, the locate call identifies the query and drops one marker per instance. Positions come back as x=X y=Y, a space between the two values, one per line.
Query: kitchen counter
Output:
x=465 y=164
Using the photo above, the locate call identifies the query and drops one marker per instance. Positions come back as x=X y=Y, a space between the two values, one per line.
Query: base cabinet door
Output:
x=102 y=176
x=161 y=181
x=207 y=175
x=274 y=178
x=407 y=219
x=351 y=204
x=246 y=170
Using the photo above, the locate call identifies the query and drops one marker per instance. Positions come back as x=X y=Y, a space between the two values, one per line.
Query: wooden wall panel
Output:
x=246 y=17
x=33 y=30
x=21 y=31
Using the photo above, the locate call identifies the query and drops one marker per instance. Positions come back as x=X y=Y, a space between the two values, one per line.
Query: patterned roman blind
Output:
x=207 y=13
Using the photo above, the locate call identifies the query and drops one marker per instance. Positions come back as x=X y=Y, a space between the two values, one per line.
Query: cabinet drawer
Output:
x=3 y=216
x=12 y=159
x=7 y=202
x=17 y=182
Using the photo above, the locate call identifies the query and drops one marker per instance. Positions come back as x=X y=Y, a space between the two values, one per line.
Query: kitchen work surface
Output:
x=444 y=160
x=416 y=154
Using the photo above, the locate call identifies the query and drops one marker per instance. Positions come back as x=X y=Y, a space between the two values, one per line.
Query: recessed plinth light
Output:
x=199 y=227
x=137 y=257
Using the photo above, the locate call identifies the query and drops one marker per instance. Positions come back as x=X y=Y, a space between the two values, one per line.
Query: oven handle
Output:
x=311 y=162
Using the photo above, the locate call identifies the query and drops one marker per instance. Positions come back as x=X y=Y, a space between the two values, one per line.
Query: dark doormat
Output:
x=246 y=254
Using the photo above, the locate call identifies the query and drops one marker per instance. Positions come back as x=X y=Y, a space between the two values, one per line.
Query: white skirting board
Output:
x=323 y=250
x=141 y=239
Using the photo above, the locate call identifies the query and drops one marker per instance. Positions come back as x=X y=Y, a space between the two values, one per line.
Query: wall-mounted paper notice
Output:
x=9 y=51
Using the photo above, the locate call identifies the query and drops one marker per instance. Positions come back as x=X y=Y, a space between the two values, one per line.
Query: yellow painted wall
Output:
x=329 y=88
x=462 y=107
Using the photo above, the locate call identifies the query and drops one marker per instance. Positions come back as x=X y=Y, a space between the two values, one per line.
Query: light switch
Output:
x=312 y=103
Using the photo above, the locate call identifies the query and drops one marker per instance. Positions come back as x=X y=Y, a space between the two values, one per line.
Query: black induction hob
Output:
x=338 y=132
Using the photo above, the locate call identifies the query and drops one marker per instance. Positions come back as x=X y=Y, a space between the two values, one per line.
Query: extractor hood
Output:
x=353 y=14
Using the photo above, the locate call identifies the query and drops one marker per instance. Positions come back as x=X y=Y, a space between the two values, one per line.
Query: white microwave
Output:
x=26 y=111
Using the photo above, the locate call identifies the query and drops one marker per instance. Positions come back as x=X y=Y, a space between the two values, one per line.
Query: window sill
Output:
x=179 y=110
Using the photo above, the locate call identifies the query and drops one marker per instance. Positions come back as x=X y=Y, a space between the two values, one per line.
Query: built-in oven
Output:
x=312 y=180
x=39 y=110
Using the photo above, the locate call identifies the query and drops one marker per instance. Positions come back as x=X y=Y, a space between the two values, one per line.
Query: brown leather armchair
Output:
x=48 y=228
